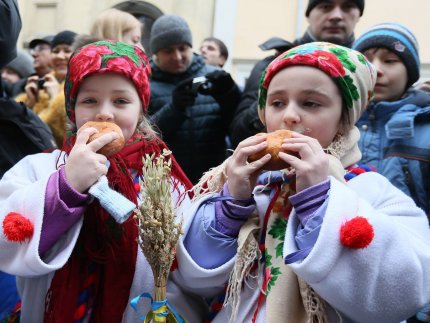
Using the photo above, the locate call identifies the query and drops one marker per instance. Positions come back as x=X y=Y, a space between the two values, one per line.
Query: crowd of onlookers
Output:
x=200 y=112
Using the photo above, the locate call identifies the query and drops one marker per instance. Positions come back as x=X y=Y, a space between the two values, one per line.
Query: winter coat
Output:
x=383 y=282
x=22 y=133
x=52 y=111
x=395 y=140
x=22 y=190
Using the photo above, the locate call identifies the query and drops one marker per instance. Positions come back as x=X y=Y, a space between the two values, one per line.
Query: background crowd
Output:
x=198 y=109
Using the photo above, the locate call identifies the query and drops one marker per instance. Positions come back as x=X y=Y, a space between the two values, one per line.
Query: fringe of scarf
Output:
x=248 y=252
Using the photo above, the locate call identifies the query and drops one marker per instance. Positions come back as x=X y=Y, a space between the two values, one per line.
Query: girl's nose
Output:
x=291 y=114
x=105 y=113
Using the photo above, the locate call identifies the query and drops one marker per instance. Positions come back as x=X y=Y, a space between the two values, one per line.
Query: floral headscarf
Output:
x=107 y=57
x=349 y=69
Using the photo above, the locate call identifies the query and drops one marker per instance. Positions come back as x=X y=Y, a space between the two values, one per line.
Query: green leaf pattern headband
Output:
x=350 y=70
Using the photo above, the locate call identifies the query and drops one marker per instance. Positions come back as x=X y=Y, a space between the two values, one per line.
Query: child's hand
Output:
x=84 y=166
x=242 y=175
x=312 y=166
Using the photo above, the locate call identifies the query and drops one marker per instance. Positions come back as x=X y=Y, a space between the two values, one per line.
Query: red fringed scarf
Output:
x=99 y=273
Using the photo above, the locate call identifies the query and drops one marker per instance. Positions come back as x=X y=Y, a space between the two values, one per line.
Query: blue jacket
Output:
x=197 y=135
x=395 y=139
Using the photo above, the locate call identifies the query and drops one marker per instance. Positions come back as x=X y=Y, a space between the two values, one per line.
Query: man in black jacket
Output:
x=192 y=103
x=329 y=20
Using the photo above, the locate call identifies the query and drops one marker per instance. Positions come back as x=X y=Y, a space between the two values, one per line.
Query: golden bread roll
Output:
x=104 y=127
x=274 y=143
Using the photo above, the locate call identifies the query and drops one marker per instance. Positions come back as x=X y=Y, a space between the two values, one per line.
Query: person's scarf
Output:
x=96 y=280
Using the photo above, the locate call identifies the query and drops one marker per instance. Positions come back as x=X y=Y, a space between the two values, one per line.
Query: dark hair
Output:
x=64 y=37
x=222 y=47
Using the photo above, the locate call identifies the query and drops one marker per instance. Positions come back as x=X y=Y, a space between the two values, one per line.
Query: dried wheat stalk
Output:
x=158 y=230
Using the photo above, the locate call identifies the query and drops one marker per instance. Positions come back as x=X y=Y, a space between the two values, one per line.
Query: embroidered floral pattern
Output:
x=275 y=236
x=107 y=57
x=345 y=66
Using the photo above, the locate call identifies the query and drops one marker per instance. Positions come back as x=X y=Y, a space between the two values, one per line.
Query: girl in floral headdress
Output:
x=324 y=240
x=73 y=261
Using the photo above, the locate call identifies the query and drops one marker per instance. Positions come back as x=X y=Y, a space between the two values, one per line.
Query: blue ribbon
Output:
x=155 y=305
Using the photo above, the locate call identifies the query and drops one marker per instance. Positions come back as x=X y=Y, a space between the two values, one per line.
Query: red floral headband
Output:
x=107 y=57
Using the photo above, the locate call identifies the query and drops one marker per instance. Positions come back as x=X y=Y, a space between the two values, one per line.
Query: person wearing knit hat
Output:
x=64 y=245
x=394 y=129
x=21 y=67
x=15 y=74
x=313 y=3
x=330 y=21
x=314 y=220
x=169 y=30
x=192 y=103
x=399 y=40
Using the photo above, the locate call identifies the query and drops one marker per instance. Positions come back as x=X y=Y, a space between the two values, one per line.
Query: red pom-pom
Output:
x=356 y=233
x=17 y=228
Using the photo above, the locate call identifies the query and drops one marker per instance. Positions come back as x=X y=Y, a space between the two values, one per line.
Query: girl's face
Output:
x=392 y=75
x=109 y=98
x=306 y=100
x=60 y=55
x=133 y=37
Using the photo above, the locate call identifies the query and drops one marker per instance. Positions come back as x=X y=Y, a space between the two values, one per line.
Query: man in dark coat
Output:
x=192 y=103
x=329 y=20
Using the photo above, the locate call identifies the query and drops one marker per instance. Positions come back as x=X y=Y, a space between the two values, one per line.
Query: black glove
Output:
x=184 y=95
x=222 y=88
x=219 y=83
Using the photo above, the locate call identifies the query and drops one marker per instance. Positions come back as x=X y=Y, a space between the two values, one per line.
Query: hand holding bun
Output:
x=104 y=127
x=274 y=143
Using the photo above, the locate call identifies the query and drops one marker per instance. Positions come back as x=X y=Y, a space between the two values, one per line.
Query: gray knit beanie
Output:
x=22 y=64
x=398 y=39
x=169 y=30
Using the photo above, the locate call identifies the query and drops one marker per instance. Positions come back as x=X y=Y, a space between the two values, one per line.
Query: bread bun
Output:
x=104 y=127
x=274 y=143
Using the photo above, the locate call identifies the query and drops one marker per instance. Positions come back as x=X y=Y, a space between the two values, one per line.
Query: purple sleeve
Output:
x=306 y=202
x=208 y=247
x=215 y=227
x=64 y=206
x=309 y=205
x=230 y=215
